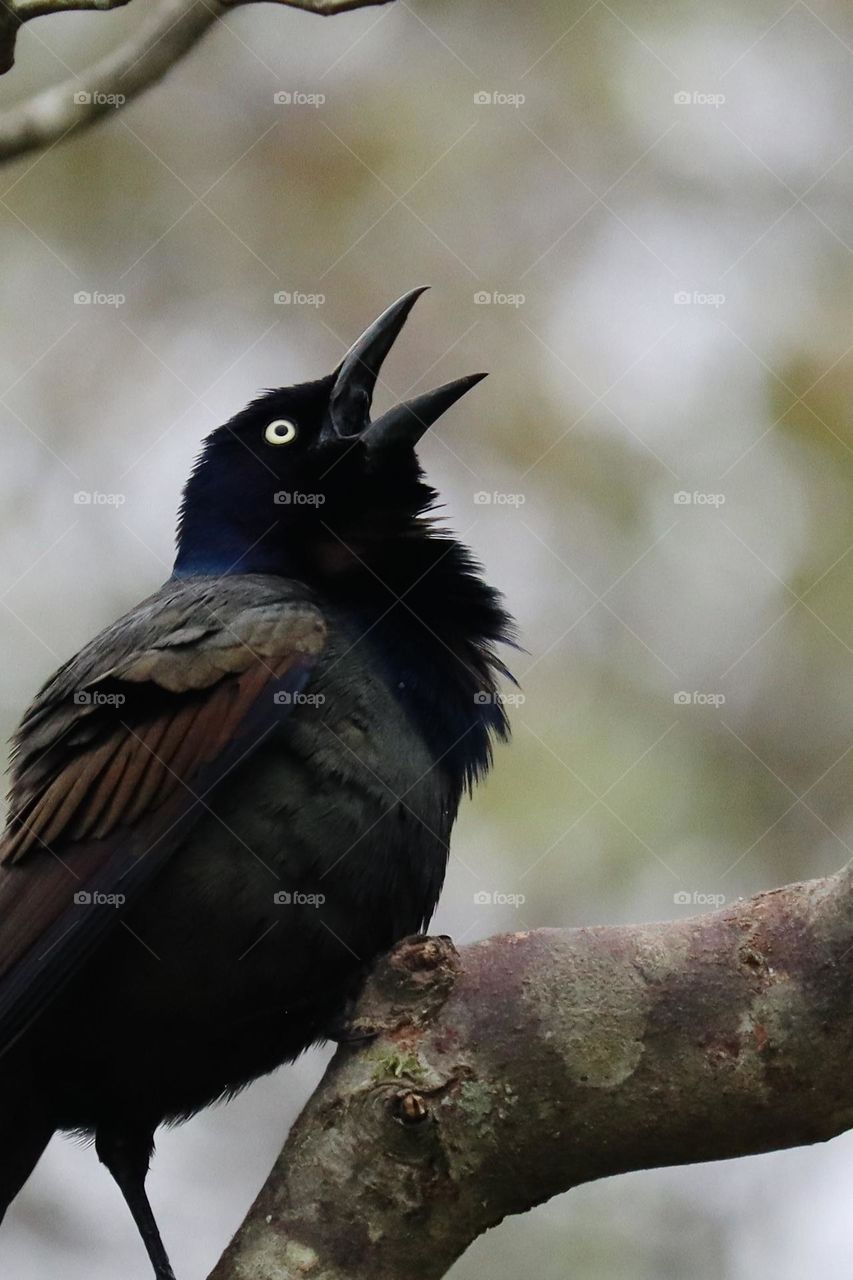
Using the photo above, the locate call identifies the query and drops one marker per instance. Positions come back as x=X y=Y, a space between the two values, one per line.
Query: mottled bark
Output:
x=521 y=1066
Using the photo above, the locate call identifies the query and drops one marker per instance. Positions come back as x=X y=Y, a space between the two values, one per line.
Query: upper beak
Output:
x=356 y=377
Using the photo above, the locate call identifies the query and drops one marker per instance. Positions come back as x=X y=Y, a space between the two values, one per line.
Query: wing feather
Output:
x=113 y=757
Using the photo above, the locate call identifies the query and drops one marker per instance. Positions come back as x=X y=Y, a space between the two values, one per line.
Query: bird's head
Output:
x=303 y=480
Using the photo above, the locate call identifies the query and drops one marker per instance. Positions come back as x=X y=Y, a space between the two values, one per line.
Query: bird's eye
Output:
x=282 y=431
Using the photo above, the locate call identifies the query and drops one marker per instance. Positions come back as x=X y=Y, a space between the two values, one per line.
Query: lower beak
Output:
x=405 y=424
x=355 y=381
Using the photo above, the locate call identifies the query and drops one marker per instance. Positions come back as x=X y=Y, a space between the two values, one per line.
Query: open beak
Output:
x=356 y=377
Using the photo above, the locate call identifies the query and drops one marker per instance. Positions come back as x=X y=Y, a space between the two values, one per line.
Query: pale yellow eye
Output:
x=282 y=431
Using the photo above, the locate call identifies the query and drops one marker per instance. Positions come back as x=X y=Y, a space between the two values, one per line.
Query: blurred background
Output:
x=639 y=218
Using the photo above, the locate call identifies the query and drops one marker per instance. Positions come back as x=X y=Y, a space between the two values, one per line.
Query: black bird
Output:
x=239 y=794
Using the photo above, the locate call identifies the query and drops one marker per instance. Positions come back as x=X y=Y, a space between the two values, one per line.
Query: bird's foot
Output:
x=347 y=1028
x=353 y=1033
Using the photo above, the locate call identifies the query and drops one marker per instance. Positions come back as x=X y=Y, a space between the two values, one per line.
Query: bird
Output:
x=236 y=797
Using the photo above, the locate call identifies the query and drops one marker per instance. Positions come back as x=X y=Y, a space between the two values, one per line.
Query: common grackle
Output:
x=239 y=794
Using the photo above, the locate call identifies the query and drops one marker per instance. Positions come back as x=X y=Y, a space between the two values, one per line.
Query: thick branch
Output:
x=529 y=1063
x=163 y=39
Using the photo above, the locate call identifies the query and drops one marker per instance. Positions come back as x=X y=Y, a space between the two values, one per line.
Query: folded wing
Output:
x=116 y=755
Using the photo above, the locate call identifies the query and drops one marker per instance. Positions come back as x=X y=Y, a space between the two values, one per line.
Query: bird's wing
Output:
x=115 y=756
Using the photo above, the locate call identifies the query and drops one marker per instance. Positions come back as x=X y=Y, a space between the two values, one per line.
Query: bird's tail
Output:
x=25 y=1130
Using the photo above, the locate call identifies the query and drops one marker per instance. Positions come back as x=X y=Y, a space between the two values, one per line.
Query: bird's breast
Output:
x=323 y=849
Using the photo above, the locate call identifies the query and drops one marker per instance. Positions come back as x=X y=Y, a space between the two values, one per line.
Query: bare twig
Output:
x=14 y=13
x=162 y=40
x=324 y=8
x=524 y=1065
x=167 y=34
x=27 y=9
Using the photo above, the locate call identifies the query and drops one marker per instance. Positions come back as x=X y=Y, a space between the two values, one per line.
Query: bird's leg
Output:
x=127 y=1153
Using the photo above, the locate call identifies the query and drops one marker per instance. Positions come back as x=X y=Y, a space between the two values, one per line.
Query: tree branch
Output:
x=163 y=39
x=524 y=1065
x=27 y=9
x=324 y=8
